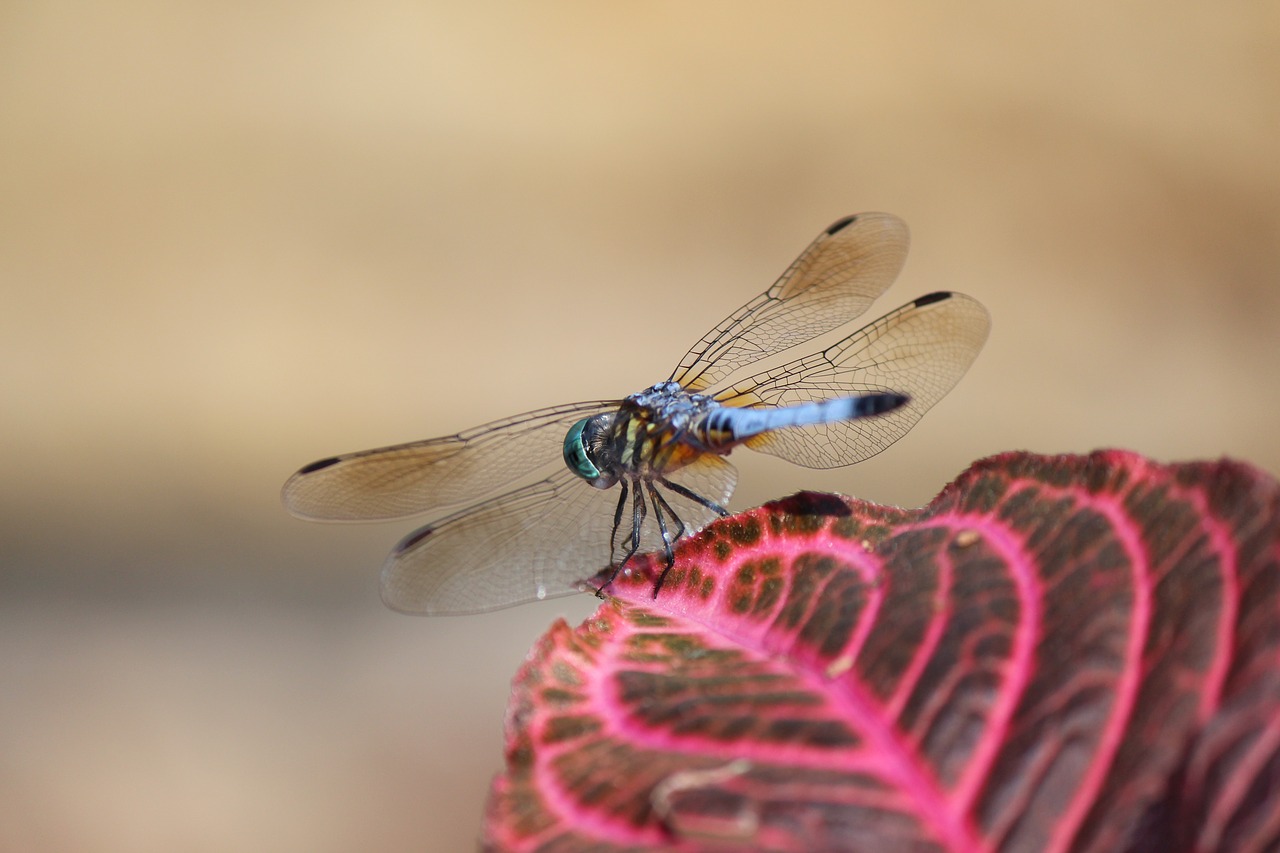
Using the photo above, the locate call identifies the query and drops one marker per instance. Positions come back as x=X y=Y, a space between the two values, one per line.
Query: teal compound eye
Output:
x=575 y=452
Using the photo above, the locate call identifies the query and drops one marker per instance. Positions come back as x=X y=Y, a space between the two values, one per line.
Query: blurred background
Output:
x=237 y=237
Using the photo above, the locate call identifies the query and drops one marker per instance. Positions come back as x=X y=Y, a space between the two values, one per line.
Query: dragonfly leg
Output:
x=681 y=529
x=669 y=557
x=639 y=512
x=694 y=496
x=617 y=520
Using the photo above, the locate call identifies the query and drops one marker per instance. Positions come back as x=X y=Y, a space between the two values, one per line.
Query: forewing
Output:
x=410 y=479
x=832 y=282
x=539 y=541
x=921 y=350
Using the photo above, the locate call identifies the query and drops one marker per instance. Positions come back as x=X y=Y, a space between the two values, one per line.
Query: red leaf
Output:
x=1064 y=653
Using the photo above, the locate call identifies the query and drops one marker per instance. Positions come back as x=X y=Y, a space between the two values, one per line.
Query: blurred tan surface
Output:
x=237 y=237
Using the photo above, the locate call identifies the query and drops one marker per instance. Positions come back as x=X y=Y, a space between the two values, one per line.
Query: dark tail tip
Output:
x=881 y=403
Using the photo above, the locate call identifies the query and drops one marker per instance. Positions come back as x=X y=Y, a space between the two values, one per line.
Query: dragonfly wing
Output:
x=832 y=282
x=921 y=350
x=410 y=479
x=539 y=541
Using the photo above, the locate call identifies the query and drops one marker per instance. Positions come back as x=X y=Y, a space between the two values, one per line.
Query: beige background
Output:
x=236 y=237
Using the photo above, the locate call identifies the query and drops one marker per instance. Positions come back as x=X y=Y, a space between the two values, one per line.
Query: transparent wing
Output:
x=540 y=541
x=410 y=479
x=832 y=282
x=921 y=350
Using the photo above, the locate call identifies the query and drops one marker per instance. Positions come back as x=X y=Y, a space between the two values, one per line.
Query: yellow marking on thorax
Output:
x=651 y=446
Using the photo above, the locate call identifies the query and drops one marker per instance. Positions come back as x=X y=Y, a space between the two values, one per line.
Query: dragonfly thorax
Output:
x=641 y=436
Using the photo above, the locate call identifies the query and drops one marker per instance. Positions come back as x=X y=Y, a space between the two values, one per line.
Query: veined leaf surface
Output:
x=1056 y=654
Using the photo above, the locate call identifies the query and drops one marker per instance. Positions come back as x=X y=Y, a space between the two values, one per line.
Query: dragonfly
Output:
x=528 y=507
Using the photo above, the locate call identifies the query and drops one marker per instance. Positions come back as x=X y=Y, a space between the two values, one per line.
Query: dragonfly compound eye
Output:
x=584 y=450
x=575 y=452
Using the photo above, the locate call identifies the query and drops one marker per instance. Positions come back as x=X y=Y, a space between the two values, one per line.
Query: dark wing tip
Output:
x=408 y=542
x=930 y=298
x=318 y=465
x=841 y=224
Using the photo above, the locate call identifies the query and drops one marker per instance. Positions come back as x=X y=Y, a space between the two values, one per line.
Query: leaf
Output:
x=1058 y=653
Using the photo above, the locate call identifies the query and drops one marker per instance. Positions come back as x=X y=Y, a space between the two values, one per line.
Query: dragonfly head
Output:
x=584 y=447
